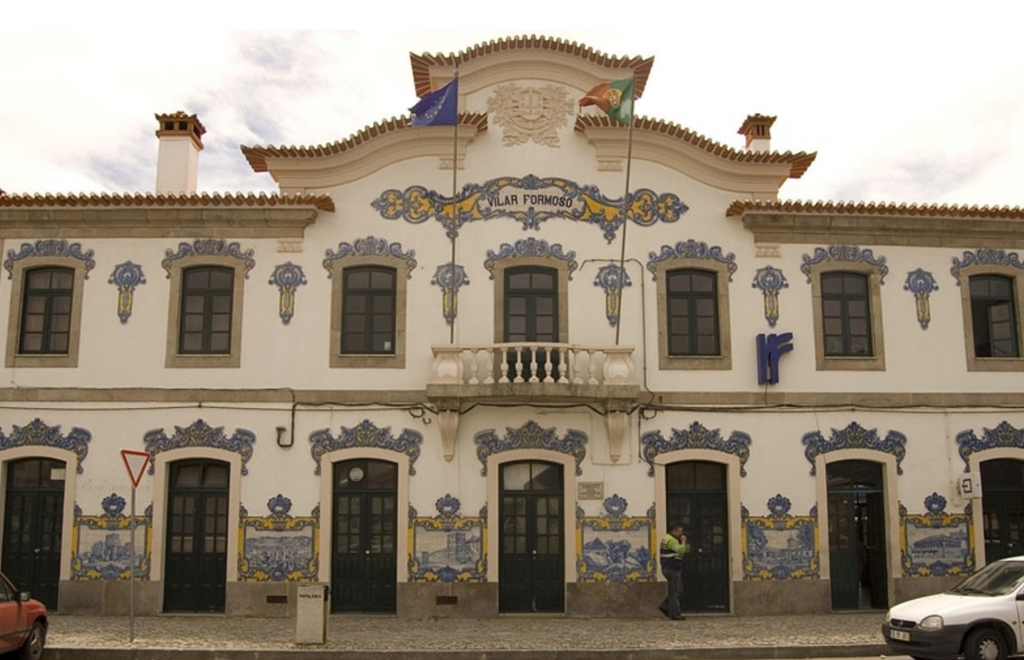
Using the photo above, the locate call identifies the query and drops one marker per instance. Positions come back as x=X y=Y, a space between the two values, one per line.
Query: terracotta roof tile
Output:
x=739 y=207
x=421 y=63
x=257 y=156
x=321 y=202
x=799 y=162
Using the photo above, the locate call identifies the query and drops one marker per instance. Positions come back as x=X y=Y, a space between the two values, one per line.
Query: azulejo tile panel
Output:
x=50 y=247
x=843 y=253
x=531 y=436
x=447 y=547
x=614 y=547
x=1003 y=436
x=38 y=433
x=101 y=546
x=279 y=547
x=935 y=542
x=209 y=247
x=126 y=277
x=780 y=546
x=855 y=436
x=653 y=444
x=366 y=434
x=530 y=200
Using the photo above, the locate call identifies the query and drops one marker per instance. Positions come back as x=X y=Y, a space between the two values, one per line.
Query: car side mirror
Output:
x=24 y=596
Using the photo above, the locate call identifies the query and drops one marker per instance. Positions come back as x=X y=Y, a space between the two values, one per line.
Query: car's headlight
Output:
x=933 y=622
x=888 y=615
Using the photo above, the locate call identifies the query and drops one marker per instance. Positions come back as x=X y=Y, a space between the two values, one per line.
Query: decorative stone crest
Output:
x=530 y=113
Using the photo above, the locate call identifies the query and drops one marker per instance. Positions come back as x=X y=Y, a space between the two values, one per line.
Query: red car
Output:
x=22 y=622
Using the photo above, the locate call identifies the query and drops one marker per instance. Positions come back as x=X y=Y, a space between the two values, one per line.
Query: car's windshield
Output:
x=996 y=579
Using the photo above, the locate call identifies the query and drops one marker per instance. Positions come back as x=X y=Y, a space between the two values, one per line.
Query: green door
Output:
x=364 y=558
x=33 y=519
x=531 y=568
x=1002 y=506
x=696 y=497
x=197 y=536
x=856 y=535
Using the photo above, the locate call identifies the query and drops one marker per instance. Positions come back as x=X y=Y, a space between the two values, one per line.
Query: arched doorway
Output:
x=1002 y=506
x=531 y=571
x=856 y=535
x=197 y=536
x=365 y=536
x=696 y=495
x=33 y=520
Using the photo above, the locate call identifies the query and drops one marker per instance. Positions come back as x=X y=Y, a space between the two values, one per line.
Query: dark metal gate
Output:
x=1002 y=505
x=364 y=560
x=197 y=536
x=33 y=520
x=856 y=536
x=531 y=574
x=696 y=496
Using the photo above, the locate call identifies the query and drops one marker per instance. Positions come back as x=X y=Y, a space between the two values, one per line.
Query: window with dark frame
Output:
x=207 y=298
x=994 y=317
x=46 y=311
x=846 y=315
x=692 y=300
x=368 y=311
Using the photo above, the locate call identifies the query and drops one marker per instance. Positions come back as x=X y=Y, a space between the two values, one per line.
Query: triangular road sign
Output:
x=136 y=462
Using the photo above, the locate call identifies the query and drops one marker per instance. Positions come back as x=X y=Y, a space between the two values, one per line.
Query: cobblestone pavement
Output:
x=846 y=634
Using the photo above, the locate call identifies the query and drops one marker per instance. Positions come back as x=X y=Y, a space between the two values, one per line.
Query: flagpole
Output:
x=625 y=206
x=454 y=228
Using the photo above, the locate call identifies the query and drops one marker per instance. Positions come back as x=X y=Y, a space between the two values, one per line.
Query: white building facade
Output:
x=410 y=376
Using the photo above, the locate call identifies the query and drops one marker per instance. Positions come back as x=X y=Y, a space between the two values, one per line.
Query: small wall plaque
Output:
x=590 y=490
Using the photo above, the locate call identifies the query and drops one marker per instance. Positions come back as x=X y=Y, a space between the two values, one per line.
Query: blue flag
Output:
x=438 y=108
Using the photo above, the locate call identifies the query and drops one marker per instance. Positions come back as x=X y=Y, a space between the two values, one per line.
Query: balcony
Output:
x=533 y=372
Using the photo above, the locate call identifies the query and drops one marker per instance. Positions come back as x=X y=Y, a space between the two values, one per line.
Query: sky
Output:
x=903 y=101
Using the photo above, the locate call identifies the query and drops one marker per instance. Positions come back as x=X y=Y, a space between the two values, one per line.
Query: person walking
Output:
x=671 y=552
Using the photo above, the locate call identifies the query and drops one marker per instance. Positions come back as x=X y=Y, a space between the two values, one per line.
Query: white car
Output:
x=979 y=619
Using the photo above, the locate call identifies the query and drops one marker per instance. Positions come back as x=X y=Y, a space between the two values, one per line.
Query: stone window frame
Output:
x=402 y=272
x=232 y=360
x=975 y=363
x=842 y=362
x=720 y=362
x=563 y=272
x=56 y=360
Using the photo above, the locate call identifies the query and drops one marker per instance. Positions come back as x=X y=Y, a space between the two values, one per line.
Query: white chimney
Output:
x=758 y=131
x=177 y=162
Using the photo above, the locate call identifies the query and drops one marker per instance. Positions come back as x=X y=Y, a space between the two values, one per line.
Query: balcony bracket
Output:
x=616 y=421
x=448 y=424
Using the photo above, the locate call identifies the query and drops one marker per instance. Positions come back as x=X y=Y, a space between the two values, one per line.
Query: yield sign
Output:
x=136 y=462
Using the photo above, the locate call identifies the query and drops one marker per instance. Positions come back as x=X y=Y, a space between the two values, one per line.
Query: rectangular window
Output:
x=846 y=315
x=46 y=311
x=993 y=317
x=692 y=313
x=207 y=300
x=368 y=311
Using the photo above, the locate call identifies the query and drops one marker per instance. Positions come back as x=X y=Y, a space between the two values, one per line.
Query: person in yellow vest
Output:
x=673 y=549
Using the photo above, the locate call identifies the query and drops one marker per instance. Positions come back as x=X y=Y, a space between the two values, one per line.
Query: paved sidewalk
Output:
x=381 y=637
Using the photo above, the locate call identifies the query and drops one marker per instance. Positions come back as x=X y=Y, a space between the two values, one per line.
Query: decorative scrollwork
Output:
x=985 y=257
x=201 y=434
x=770 y=280
x=450 y=277
x=126 y=277
x=371 y=246
x=210 y=247
x=612 y=279
x=1003 y=435
x=849 y=253
x=531 y=247
x=855 y=436
x=38 y=434
x=531 y=436
x=50 y=247
x=366 y=434
x=695 y=437
x=921 y=284
x=690 y=249
x=288 y=277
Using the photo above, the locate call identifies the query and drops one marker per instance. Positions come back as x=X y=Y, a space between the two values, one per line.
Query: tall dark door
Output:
x=696 y=497
x=197 y=536
x=364 y=560
x=33 y=519
x=531 y=315
x=531 y=569
x=1002 y=505
x=856 y=536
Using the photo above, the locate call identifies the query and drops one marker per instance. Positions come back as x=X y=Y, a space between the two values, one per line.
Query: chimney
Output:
x=758 y=131
x=177 y=162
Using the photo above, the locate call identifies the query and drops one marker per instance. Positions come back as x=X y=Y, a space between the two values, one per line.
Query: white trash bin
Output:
x=311 y=614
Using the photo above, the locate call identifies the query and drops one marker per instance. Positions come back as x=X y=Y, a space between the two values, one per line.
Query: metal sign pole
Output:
x=135 y=462
x=131 y=589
